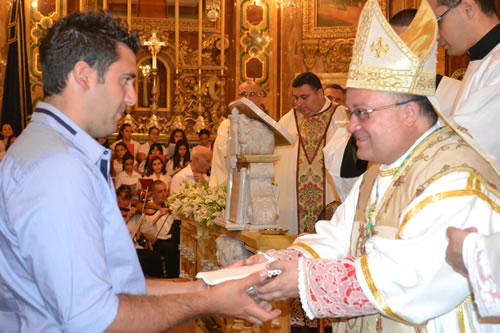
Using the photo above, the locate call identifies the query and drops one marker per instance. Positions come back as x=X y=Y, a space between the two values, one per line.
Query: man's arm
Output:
x=160 y=313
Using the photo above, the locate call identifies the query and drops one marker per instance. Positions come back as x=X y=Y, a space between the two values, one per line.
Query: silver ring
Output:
x=252 y=292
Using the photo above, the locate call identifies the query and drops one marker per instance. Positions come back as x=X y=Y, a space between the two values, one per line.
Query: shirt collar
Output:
x=48 y=114
x=485 y=44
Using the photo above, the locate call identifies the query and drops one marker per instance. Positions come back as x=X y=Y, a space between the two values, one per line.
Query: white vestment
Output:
x=477 y=105
x=333 y=153
x=220 y=172
x=286 y=169
x=409 y=276
x=481 y=256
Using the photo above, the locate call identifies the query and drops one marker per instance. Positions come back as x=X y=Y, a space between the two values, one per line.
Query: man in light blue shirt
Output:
x=67 y=262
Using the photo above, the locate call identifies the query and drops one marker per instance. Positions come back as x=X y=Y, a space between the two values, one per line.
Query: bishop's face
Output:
x=380 y=135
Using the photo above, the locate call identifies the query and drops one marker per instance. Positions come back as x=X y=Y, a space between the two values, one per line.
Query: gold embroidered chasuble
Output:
x=440 y=154
x=310 y=175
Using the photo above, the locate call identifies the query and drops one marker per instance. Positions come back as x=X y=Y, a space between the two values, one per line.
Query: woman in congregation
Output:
x=156 y=170
x=181 y=158
x=128 y=176
x=176 y=136
x=125 y=136
x=204 y=136
x=154 y=150
x=7 y=138
x=119 y=151
x=5 y=135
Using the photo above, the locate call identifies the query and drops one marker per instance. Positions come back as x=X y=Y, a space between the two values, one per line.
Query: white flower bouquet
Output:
x=198 y=202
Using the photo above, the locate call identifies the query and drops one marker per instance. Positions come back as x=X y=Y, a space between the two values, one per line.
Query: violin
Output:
x=149 y=209
x=124 y=210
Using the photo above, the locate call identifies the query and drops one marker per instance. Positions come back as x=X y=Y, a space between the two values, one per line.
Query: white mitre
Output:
x=382 y=60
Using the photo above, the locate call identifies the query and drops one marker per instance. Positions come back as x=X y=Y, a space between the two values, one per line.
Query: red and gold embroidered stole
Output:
x=310 y=179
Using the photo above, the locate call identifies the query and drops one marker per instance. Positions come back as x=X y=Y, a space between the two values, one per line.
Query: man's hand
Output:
x=255 y=259
x=284 y=286
x=163 y=211
x=231 y=299
x=198 y=177
x=454 y=251
x=151 y=238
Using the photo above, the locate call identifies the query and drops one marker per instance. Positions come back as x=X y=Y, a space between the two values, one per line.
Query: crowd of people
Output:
x=151 y=159
x=143 y=184
x=415 y=237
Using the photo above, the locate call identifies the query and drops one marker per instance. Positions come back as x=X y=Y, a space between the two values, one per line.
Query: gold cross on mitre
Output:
x=379 y=47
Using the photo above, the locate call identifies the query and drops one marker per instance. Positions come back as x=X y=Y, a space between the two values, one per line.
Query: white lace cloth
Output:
x=328 y=288
x=481 y=257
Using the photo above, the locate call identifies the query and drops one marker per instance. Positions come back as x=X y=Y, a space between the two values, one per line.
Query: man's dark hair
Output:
x=335 y=86
x=423 y=102
x=403 y=18
x=204 y=131
x=487 y=6
x=307 y=78
x=91 y=37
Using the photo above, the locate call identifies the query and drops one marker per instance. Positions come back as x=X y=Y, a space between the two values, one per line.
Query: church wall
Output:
x=270 y=45
x=325 y=51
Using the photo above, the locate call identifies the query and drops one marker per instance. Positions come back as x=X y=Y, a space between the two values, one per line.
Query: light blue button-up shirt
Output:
x=65 y=253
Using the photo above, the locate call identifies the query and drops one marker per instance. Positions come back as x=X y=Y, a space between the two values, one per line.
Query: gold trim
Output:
x=445 y=195
x=461 y=320
x=388 y=172
x=309 y=249
x=470 y=181
x=460 y=313
x=378 y=295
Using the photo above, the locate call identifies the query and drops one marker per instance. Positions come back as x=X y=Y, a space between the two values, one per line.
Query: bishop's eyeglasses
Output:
x=364 y=114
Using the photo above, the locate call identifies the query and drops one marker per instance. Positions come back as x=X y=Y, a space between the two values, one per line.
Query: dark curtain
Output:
x=16 y=107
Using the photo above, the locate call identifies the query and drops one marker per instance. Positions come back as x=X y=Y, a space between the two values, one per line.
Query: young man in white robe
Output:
x=380 y=261
x=473 y=27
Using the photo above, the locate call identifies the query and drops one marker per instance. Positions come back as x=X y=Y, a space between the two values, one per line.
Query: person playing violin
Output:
x=151 y=262
x=161 y=230
x=123 y=196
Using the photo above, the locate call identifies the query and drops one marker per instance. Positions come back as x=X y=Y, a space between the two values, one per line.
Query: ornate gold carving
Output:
x=336 y=54
x=458 y=74
x=163 y=25
x=309 y=49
